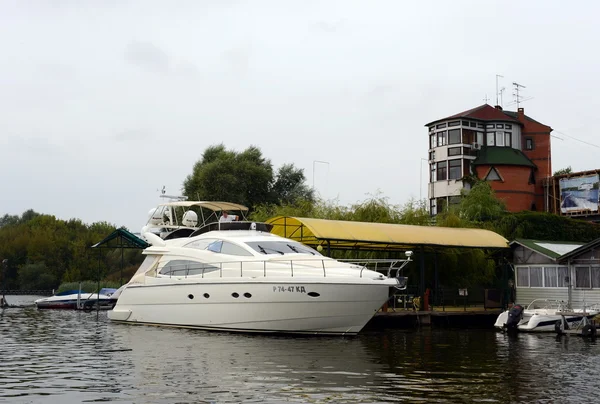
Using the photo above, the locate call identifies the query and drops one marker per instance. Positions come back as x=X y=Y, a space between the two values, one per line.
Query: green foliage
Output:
x=246 y=178
x=480 y=204
x=562 y=171
x=290 y=186
x=36 y=277
x=87 y=286
x=544 y=226
x=42 y=251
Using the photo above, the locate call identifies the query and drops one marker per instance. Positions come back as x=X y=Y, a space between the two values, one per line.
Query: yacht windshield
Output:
x=281 y=247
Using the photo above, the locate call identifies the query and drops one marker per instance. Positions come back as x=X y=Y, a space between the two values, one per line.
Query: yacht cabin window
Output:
x=219 y=246
x=186 y=268
x=281 y=247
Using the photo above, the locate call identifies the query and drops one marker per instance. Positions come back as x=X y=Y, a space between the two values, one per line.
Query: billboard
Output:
x=579 y=194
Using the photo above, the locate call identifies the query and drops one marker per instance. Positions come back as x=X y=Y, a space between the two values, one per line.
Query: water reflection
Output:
x=76 y=357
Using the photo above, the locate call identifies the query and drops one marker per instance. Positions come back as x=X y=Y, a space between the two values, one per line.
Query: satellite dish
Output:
x=190 y=218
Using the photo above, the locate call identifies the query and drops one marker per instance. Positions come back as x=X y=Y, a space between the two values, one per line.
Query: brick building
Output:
x=508 y=149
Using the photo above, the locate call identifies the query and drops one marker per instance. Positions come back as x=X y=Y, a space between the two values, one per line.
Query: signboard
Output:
x=579 y=194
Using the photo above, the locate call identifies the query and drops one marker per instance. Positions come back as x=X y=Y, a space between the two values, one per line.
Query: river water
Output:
x=73 y=357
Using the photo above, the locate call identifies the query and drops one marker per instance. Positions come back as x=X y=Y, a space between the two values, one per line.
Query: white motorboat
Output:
x=237 y=276
x=76 y=299
x=543 y=315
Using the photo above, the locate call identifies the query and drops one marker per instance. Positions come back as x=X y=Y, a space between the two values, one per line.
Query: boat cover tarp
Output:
x=350 y=235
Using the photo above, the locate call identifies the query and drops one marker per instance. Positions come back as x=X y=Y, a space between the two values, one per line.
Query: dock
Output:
x=465 y=317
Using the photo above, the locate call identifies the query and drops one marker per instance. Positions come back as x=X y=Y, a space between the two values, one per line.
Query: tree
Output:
x=480 y=203
x=562 y=171
x=223 y=175
x=246 y=178
x=36 y=277
x=290 y=186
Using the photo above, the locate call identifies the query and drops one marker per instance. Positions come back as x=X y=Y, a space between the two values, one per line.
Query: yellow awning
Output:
x=344 y=234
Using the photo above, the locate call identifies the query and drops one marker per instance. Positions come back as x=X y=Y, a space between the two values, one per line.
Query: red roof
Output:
x=483 y=112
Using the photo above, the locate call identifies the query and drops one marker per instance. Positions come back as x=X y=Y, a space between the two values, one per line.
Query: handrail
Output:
x=293 y=265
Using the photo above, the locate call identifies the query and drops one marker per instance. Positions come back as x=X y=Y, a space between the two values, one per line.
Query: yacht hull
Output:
x=286 y=306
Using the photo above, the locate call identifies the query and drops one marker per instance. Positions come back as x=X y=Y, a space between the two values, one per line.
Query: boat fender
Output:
x=557 y=327
x=588 y=330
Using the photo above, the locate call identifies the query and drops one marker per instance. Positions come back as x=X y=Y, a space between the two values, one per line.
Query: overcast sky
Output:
x=103 y=104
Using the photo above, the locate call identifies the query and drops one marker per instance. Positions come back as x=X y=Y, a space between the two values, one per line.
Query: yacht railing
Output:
x=385 y=266
x=295 y=267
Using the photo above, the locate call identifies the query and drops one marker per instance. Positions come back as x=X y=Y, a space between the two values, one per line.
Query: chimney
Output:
x=498 y=107
x=521 y=114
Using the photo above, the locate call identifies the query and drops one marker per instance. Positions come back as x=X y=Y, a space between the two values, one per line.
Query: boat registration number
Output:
x=294 y=289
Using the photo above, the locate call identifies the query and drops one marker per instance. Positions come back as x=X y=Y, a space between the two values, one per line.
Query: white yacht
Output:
x=237 y=276
x=543 y=315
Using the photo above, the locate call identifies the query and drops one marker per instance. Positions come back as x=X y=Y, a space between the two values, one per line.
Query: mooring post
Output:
x=422 y=280
x=3 y=267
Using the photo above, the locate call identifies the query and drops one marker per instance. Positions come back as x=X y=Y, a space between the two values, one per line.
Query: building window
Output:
x=490 y=126
x=454 y=151
x=455 y=123
x=441 y=126
x=442 y=205
x=454 y=169
x=432 y=155
x=507 y=126
x=490 y=139
x=528 y=143
x=535 y=277
x=582 y=277
x=479 y=137
x=441 y=138
x=523 y=277
x=550 y=279
x=441 y=171
x=563 y=273
x=493 y=175
x=595 y=277
x=432 y=141
x=531 y=177
x=480 y=125
x=454 y=136
x=547 y=277
x=499 y=138
x=507 y=139
x=431 y=128
x=432 y=177
x=473 y=124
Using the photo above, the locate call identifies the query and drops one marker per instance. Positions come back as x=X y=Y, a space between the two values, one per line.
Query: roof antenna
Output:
x=486 y=99
x=497 y=92
x=518 y=98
